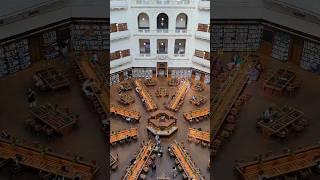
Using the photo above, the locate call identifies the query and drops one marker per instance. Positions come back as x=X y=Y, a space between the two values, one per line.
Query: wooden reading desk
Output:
x=134 y=115
x=142 y=158
x=150 y=82
x=280 y=165
x=199 y=113
x=176 y=102
x=126 y=99
x=279 y=81
x=49 y=162
x=52 y=78
x=226 y=97
x=122 y=135
x=145 y=95
x=101 y=99
x=162 y=92
x=54 y=118
x=200 y=135
x=282 y=118
x=185 y=161
x=174 y=82
x=125 y=86
x=198 y=100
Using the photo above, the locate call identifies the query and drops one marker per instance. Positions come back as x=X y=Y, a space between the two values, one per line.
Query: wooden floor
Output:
x=245 y=143
x=164 y=165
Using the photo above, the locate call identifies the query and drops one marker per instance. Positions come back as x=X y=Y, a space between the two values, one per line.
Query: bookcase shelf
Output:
x=50 y=47
x=90 y=37
x=236 y=37
x=14 y=57
x=281 y=46
x=310 y=55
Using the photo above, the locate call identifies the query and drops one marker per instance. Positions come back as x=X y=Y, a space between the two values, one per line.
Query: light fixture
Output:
x=144 y=43
x=117 y=24
x=162 y=19
x=179 y=44
x=143 y=19
x=161 y=44
x=181 y=19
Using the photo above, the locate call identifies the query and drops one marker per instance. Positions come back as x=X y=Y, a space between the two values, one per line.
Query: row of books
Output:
x=14 y=57
x=281 y=46
x=310 y=56
x=236 y=37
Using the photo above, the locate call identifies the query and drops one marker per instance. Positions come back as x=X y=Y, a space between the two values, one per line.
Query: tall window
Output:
x=162 y=47
x=182 y=21
x=144 y=45
x=179 y=47
x=143 y=21
x=162 y=21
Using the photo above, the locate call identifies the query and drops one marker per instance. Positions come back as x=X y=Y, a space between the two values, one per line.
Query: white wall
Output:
x=130 y=15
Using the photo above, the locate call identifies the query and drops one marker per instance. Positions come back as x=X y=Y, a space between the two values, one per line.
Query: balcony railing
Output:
x=179 y=55
x=181 y=30
x=204 y=5
x=119 y=35
x=145 y=54
x=162 y=30
x=202 y=35
x=119 y=4
x=144 y=30
x=162 y=2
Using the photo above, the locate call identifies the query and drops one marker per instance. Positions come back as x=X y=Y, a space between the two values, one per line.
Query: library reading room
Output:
x=160 y=90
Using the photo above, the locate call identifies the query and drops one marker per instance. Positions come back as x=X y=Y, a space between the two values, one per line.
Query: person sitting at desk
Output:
x=87 y=87
x=254 y=74
x=267 y=114
x=237 y=60
x=38 y=82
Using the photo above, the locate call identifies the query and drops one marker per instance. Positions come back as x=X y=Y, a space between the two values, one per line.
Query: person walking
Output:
x=154 y=168
x=174 y=172
x=161 y=153
x=31 y=98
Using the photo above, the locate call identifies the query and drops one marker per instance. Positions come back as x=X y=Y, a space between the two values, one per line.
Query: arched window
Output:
x=182 y=21
x=162 y=21
x=143 y=21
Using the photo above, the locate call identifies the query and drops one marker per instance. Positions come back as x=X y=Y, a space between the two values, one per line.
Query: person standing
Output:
x=154 y=167
x=174 y=172
x=160 y=153
x=31 y=98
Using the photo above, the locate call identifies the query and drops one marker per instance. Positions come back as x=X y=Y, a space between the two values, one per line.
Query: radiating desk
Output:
x=49 y=162
x=280 y=165
x=200 y=135
x=184 y=159
x=124 y=112
x=121 y=135
x=145 y=95
x=177 y=100
x=135 y=169
x=199 y=113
